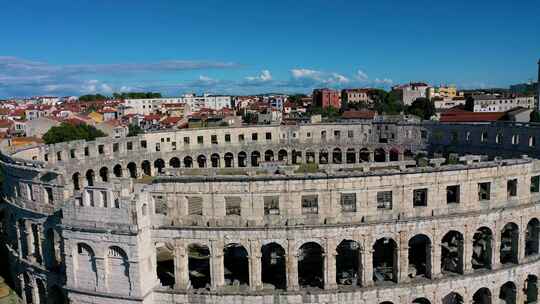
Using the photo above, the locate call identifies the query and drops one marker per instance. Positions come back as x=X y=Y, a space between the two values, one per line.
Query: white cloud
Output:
x=337 y=78
x=265 y=76
x=361 y=76
x=306 y=73
x=384 y=81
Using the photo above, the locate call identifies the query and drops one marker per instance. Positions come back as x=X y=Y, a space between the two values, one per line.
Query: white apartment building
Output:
x=214 y=102
x=412 y=91
x=494 y=103
x=147 y=106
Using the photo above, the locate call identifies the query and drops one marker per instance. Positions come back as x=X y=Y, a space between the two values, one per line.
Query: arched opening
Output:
x=132 y=167
x=509 y=244
x=421 y=301
x=242 y=159
x=86 y=267
x=269 y=155
x=386 y=302
x=52 y=247
x=104 y=174
x=41 y=291
x=482 y=296
x=508 y=293
x=452 y=298
x=296 y=157
x=379 y=155
x=310 y=157
x=90 y=177
x=394 y=154
x=174 y=162
x=215 y=160
x=482 y=242
x=28 y=289
x=229 y=160
x=408 y=155
x=255 y=158
x=118 y=270
x=531 y=289
x=199 y=266
x=364 y=155
x=282 y=155
x=323 y=157
x=350 y=156
x=159 y=164
x=532 y=237
x=273 y=267
x=188 y=162
x=452 y=253
x=117 y=171
x=385 y=260
x=348 y=263
x=56 y=296
x=419 y=257
x=145 y=166
x=201 y=161
x=336 y=156
x=75 y=178
x=311 y=265
x=165 y=264
x=236 y=263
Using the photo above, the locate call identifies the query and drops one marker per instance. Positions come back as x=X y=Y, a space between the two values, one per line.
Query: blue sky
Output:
x=240 y=47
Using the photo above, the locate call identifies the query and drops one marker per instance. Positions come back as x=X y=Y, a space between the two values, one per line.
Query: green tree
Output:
x=136 y=95
x=67 y=132
x=422 y=107
x=93 y=97
x=134 y=130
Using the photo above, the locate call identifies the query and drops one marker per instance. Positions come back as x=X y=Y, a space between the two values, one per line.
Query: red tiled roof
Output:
x=152 y=117
x=5 y=123
x=172 y=120
x=466 y=116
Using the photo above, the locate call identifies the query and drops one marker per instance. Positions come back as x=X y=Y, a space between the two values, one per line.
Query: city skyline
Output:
x=247 y=48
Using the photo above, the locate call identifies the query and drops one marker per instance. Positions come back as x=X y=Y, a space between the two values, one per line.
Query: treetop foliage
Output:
x=67 y=132
x=136 y=95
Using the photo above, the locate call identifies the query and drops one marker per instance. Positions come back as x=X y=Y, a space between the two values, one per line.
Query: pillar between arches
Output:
x=292 y=267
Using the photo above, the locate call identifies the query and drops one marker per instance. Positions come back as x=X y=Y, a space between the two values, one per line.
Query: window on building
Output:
x=532 y=141
x=162 y=140
x=160 y=205
x=186 y=140
x=350 y=134
x=213 y=139
x=423 y=134
x=101 y=149
x=200 y=140
x=268 y=136
x=168 y=139
x=104 y=199
x=271 y=205
x=308 y=134
x=115 y=147
x=195 y=205
x=384 y=200
x=29 y=192
x=129 y=146
x=50 y=196
x=337 y=134
x=515 y=139
x=46 y=157
x=72 y=153
x=535 y=184
x=310 y=204
x=452 y=194
x=233 y=205
x=420 y=197
x=86 y=151
x=254 y=136
x=227 y=137
x=143 y=144
x=59 y=155
x=158 y=147
x=241 y=137
x=511 y=187
x=484 y=191
x=323 y=135
x=484 y=137
x=348 y=202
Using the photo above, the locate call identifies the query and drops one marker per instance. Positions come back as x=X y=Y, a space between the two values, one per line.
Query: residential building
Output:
x=355 y=96
x=326 y=98
x=410 y=92
x=495 y=103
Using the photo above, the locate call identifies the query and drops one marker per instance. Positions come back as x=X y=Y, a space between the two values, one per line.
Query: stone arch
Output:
x=509 y=244
x=282 y=155
x=90 y=177
x=499 y=138
x=242 y=159
x=482 y=242
x=484 y=137
x=86 y=270
x=146 y=168
x=336 y=156
x=508 y=293
x=104 y=174
x=188 y=162
x=452 y=298
x=420 y=256
x=52 y=247
x=165 y=269
x=385 y=260
x=118 y=278
x=311 y=265
x=201 y=161
x=364 y=155
x=310 y=157
x=531 y=289
x=132 y=168
x=269 y=155
x=532 y=141
x=199 y=265
x=229 y=160
x=350 y=156
x=159 y=164
x=532 y=234
x=482 y=296
x=452 y=253
x=323 y=157
x=394 y=154
x=75 y=179
x=273 y=266
x=236 y=264
x=255 y=158
x=117 y=170
x=174 y=162
x=421 y=301
x=379 y=155
x=348 y=263
x=215 y=160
